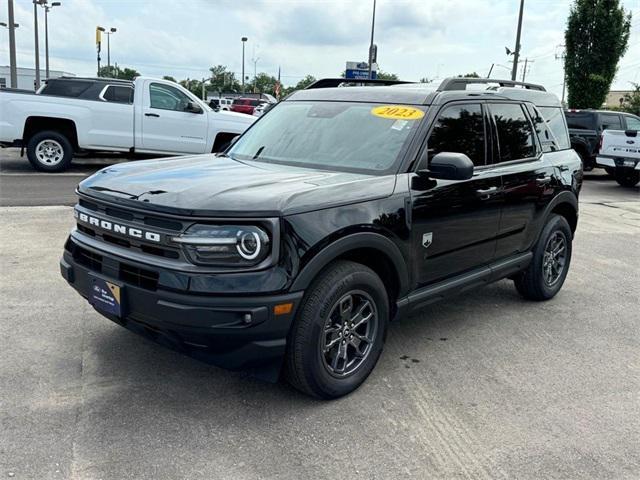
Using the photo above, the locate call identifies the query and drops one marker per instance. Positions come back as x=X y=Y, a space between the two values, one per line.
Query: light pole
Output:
x=109 y=33
x=372 y=48
x=12 y=47
x=46 y=31
x=35 y=29
x=244 y=40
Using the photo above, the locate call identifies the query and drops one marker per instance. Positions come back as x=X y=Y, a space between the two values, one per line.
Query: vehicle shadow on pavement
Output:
x=126 y=361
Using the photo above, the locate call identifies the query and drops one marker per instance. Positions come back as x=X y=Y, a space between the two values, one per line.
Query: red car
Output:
x=245 y=105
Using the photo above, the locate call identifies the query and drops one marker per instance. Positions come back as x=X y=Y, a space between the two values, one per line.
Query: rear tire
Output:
x=49 y=151
x=548 y=269
x=627 y=178
x=611 y=171
x=339 y=332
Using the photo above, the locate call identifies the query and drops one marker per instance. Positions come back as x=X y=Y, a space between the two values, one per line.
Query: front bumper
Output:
x=233 y=332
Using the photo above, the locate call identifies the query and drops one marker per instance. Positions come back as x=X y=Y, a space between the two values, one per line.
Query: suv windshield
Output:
x=356 y=137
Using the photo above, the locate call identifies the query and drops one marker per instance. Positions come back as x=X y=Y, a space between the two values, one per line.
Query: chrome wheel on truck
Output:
x=49 y=151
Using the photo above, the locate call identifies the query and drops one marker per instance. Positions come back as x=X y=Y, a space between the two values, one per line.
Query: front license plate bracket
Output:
x=106 y=296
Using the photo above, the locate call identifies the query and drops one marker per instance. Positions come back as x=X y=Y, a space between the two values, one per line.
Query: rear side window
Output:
x=515 y=133
x=459 y=129
x=65 y=88
x=554 y=118
x=118 y=94
x=611 y=121
x=581 y=120
x=632 y=123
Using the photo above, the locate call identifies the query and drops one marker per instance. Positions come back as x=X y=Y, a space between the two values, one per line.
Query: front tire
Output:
x=548 y=269
x=627 y=178
x=49 y=151
x=339 y=332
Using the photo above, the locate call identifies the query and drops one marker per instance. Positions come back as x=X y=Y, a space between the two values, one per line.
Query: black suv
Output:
x=341 y=209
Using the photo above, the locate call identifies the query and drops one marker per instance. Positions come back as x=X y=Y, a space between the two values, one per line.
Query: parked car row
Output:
x=586 y=128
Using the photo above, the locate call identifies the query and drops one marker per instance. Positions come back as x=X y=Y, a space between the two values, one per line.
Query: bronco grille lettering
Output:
x=117 y=227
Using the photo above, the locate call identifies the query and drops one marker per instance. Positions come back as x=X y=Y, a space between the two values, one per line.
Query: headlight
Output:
x=225 y=245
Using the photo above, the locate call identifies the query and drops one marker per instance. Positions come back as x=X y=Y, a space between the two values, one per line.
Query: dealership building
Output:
x=27 y=77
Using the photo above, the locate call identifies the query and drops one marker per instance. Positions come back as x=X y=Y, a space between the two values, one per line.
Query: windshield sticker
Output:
x=397 y=112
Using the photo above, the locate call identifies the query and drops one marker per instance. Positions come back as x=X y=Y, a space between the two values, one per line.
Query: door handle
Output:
x=485 y=193
x=151 y=115
x=543 y=180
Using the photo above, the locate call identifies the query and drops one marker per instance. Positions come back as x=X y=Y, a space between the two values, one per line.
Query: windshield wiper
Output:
x=258 y=152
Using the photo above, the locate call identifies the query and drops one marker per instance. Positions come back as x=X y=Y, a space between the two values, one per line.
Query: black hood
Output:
x=208 y=185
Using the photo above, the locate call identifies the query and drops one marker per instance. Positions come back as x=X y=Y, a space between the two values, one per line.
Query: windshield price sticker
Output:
x=397 y=112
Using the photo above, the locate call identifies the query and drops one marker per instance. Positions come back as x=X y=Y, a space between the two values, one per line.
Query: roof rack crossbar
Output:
x=336 y=82
x=460 y=83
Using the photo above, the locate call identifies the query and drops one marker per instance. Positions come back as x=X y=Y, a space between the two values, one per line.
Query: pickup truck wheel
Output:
x=627 y=178
x=49 y=151
x=550 y=264
x=337 y=337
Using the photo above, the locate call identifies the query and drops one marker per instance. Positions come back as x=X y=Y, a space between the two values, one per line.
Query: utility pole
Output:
x=524 y=70
x=516 y=53
x=12 y=47
x=35 y=29
x=255 y=74
x=244 y=40
x=561 y=56
x=371 y=45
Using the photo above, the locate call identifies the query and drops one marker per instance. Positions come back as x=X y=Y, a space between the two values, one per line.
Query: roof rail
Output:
x=460 y=83
x=336 y=82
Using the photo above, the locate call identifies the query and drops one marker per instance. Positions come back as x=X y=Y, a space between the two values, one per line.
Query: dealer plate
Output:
x=106 y=296
x=629 y=163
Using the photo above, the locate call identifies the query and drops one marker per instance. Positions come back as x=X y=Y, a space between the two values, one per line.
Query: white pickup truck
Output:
x=620 y=150
x=146 y=115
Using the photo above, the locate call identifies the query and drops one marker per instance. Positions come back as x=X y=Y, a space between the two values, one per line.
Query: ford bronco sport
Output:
x=341 y=209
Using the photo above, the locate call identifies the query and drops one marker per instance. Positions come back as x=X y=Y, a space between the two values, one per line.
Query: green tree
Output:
x=223 y=80
x=382 y=75
x=170 y=78
x=114 y=71
x=262 y=83
x=631 y=102
x=469 y=75
x=596 y=37
x=301 y=85
x=193 y=85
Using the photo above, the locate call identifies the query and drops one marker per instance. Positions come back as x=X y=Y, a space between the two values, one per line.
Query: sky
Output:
x=415 y=38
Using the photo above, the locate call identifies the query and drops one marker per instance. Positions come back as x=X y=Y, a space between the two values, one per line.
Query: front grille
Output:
x=166 y=227
x=138 y=277
x=87 y=258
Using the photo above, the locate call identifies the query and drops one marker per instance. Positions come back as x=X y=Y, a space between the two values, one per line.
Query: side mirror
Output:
x=193 y=107
x=450 y=166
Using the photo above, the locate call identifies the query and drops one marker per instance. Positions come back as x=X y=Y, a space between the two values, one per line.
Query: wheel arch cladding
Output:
x=370 y=249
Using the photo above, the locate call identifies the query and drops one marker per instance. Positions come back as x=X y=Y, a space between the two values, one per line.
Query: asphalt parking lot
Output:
x=489 y=386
